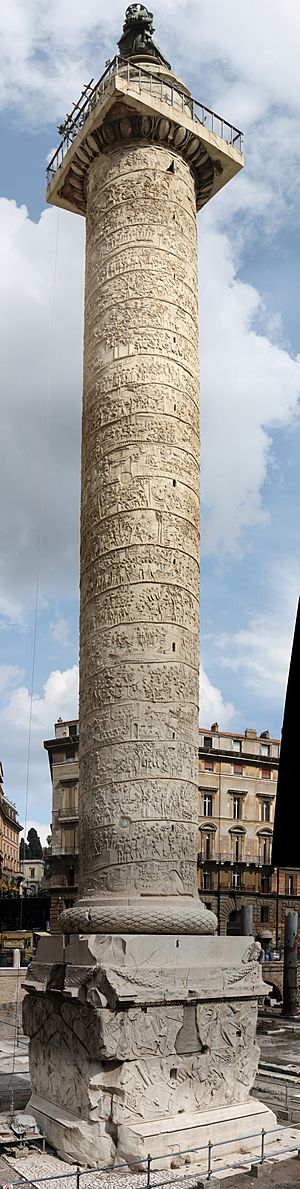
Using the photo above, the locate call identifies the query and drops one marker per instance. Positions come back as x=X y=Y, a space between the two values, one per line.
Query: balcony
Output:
x=68 y=815
x=60 y=851
x=141 y=80
x=223 y=859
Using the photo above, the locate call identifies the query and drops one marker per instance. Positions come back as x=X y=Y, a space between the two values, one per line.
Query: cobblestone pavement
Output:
x=36 y=1165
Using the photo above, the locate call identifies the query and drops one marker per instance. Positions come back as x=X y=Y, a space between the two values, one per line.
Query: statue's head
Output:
x=137 y=14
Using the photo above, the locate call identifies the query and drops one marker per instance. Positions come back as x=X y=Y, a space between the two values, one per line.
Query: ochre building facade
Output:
x=236 y=804
x=63 y=762
x=10 y=830
x=237 y=793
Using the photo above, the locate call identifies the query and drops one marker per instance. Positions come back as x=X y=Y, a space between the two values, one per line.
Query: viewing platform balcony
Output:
x=168 y=114
x=140 y=80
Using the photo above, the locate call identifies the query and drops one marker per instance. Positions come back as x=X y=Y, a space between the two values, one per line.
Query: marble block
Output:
x=128 y=1033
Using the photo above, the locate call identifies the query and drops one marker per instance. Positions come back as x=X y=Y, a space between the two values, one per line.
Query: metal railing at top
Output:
x=141 y=80
x=256 y=1155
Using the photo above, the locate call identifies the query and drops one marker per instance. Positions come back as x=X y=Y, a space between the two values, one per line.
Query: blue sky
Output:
x=241 y=60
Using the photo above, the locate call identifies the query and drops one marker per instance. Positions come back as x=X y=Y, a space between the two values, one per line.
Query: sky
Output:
x=240 y=58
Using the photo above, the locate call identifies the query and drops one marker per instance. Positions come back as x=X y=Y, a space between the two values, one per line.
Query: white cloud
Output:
x=259 y=652
x=60 y=631
x=47 y=51
x=213 y=708
x=9 y=676
x=249 y=386
x=247 y=56
x=26 y=290
x=60 y=697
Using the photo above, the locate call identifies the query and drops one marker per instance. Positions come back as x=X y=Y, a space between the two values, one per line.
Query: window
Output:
x=265 y=883
x=265 y=811
x=206 y=881
x=265 y=850
x=265 y=749
x=207 y=742
x=238 y=845
x=208 y=765
x=71 y=755
x=207 y=805
x=236 y=807
x=265 y=773
x=238 y=769
x=58 y=757
x=73 y=729
x=264 y=914
x=236 y=879
x=290 y=885
x=236 y=745
x=207 y=846
x=32 y=872
x=68 y=840
x=69 y=800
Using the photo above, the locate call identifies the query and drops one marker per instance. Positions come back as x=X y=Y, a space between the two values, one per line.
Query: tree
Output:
x=34 y=848
x=23 y=850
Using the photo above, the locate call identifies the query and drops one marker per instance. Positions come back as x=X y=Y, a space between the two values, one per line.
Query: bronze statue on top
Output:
x=136 y=40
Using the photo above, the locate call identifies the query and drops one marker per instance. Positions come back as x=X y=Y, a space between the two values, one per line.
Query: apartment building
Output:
x=63 y=761
x=237 y=793
x=9 y=842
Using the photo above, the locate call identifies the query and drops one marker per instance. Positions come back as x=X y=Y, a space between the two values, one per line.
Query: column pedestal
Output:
x=138 y=1043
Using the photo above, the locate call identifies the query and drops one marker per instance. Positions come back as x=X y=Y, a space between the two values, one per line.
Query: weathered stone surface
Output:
x=139 y=650
x=139 y=1064
x=164 y=915
x=133 y=1030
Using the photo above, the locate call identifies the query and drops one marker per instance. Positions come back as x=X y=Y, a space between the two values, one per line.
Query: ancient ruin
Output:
x=142 y=1021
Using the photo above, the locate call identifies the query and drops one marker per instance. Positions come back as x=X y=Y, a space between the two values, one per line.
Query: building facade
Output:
x=237 y=792
x=33 y=875
x=63 y=761
x=9 y=843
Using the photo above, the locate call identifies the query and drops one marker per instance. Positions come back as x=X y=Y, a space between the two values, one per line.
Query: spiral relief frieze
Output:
x=139 y=653
x=139 y=590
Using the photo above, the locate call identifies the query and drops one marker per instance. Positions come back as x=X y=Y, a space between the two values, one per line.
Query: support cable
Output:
x=36 y=604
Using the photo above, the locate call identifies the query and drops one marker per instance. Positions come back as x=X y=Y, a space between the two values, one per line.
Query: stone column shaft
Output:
x=140 y=165
x=139 y=638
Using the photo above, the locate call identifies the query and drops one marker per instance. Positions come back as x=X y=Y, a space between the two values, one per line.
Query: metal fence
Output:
x=258 y=1154
x=141 y=80
x=283 y=1098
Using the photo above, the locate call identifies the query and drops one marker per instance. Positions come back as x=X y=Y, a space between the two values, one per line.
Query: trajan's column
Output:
x=140 y=1025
